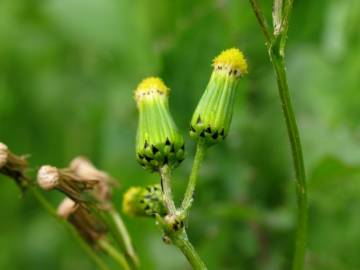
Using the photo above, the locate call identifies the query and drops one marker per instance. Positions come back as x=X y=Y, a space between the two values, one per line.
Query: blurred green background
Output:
x=67 y=73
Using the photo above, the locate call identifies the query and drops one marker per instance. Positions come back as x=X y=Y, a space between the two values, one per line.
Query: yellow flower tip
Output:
x=128 y=201
x=231 y=58
x=151 y=86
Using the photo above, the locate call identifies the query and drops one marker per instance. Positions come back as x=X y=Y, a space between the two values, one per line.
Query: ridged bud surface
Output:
x=212 y=117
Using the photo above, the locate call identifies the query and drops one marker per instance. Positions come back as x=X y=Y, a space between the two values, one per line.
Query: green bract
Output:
x=212 y=117
x=158 y=140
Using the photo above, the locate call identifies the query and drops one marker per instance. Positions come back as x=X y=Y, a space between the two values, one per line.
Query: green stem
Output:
x=189 y=193
x=181 y=241
x=48 y=207
x=113 y=253
x=276 y=50
x=298 y=161
x=125 y=237
x=165 y=174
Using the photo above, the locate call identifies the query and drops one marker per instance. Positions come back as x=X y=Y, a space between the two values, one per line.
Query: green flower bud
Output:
x=212 y=117
x=158 y=140
x=144 y=201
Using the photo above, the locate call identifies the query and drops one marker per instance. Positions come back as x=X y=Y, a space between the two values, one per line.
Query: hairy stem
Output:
x=129 y=249
x=165 y=174
x=181 y=241
x=189 y=193
x=114 y=253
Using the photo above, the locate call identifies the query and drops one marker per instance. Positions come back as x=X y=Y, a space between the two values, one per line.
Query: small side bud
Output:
x=14 y=167
x=212 y=117
x=158 y=141
x=143 y=201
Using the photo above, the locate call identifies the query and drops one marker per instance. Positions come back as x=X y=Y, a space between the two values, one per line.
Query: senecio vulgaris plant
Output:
x=87 y=209
x=160 y=146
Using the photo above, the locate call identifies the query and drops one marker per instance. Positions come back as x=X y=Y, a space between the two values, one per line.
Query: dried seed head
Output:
x=90 y=227
x=66 y=181
x=212 y=117
x=158 y=139
x=14 y=167
x=144 y=201
x=4 y=153
x=66 y=208
x=86 y=171
x=48 y=177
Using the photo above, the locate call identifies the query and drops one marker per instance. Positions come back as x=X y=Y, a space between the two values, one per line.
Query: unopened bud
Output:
x=144 y=201
x=158 y=140
x=212 y=117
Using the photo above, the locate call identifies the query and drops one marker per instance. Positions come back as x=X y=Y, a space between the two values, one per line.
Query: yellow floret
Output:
x=128 y=206
x=233 y=58
x=152 y=84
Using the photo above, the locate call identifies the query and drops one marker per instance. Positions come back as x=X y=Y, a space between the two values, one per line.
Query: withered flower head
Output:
x=66 y=181
x=88 y=226
x=13 y=166
x=85 y=170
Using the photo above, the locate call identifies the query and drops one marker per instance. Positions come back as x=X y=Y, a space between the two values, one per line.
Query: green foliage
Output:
x=67 y=74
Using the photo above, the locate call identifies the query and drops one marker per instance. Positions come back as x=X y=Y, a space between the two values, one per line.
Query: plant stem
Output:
x=298 y=161
x=125 y=236
x=165 y=174
x=276 y=49
x=48 y=207
x=113 y=253
x=262 y=21
x=182 y=242
x=189 y=193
